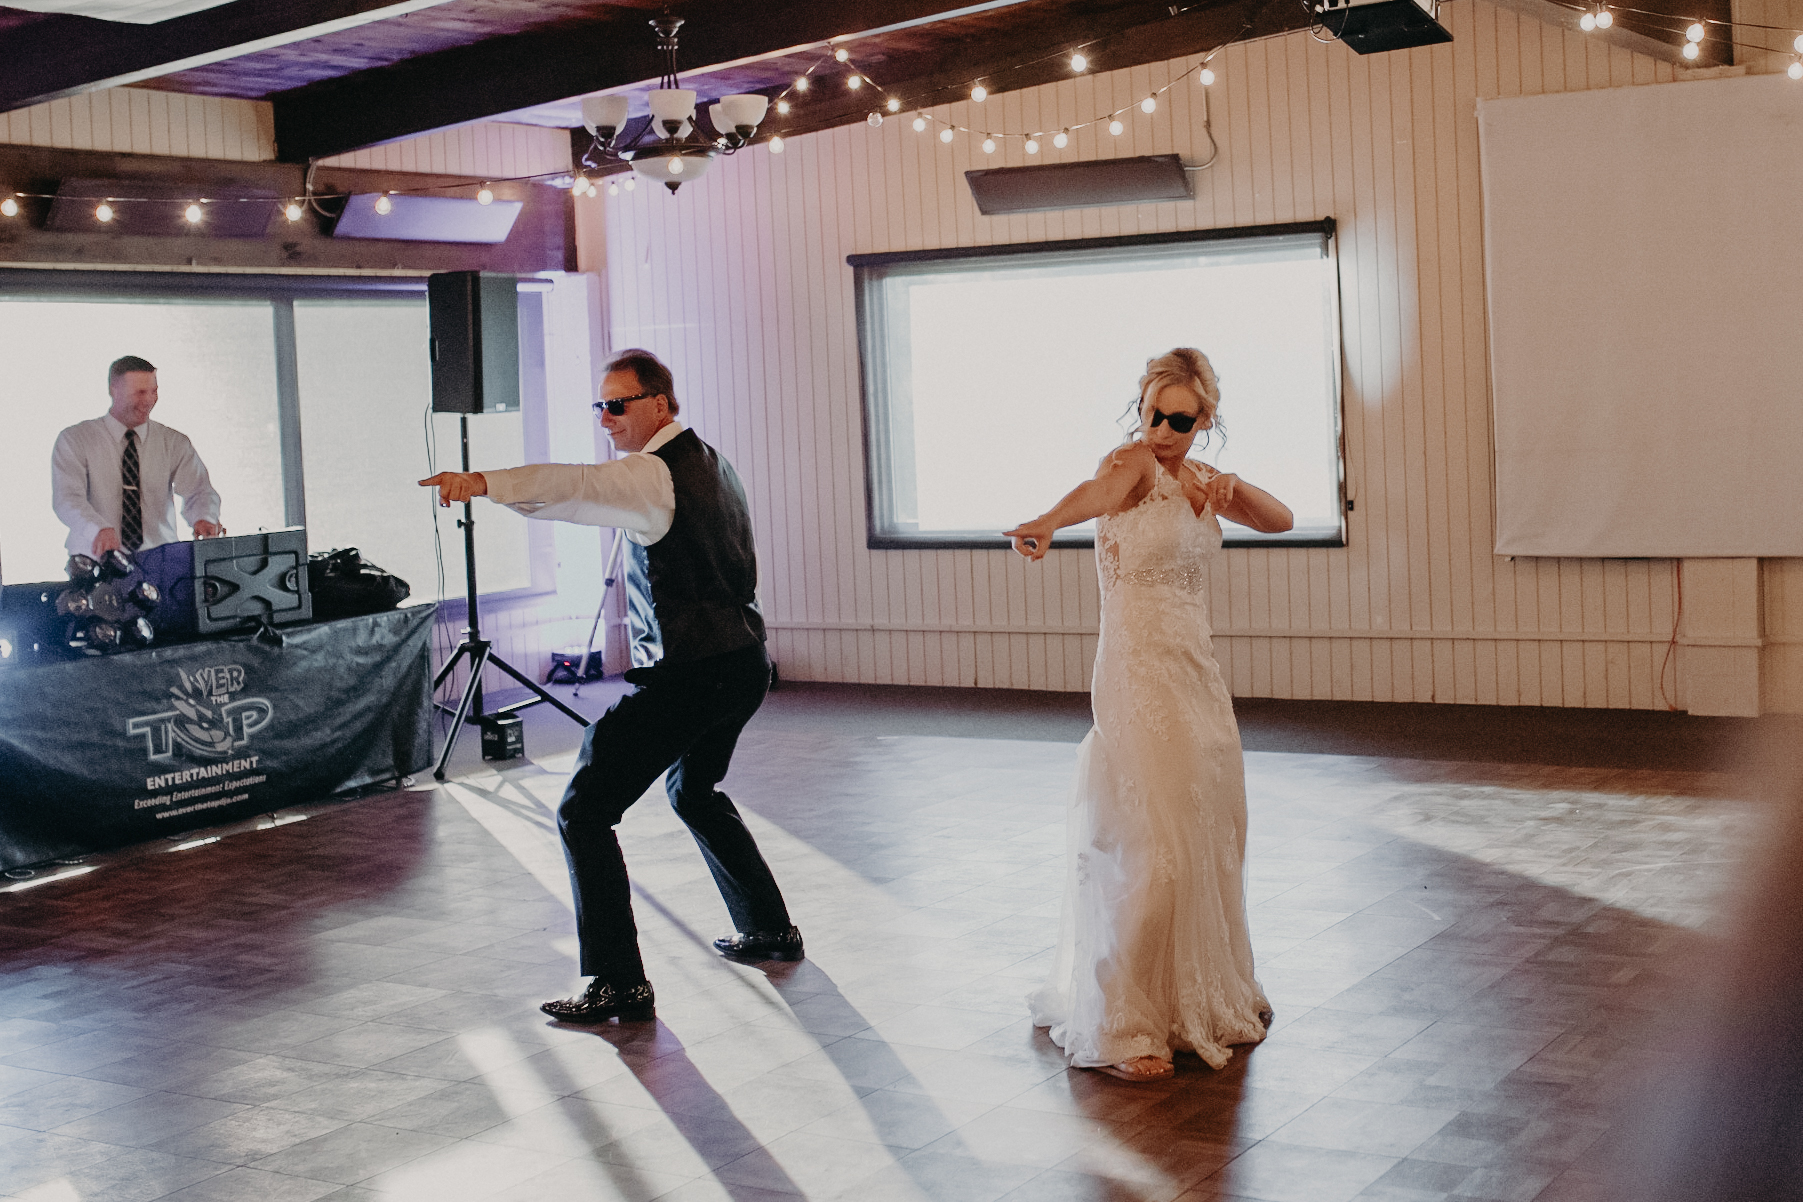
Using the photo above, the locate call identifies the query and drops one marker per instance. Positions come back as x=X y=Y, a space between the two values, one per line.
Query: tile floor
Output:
x=1466 y=960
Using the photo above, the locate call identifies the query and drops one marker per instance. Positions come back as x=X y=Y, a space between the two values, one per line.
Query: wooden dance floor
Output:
x=1463 y=957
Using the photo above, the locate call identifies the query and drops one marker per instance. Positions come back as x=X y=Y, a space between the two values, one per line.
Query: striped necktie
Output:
x=131 y=524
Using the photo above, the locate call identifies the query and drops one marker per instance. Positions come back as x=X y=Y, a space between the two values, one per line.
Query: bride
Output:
x=1153 y=954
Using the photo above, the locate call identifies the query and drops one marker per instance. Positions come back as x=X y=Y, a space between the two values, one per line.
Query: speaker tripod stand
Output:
x=480 y=652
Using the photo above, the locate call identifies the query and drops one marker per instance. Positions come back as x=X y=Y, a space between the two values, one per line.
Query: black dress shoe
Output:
x=755 y=946
x=600 y=1002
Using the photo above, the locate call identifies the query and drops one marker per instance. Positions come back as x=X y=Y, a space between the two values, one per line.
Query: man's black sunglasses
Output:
x=617 y=405
x=1182 y=423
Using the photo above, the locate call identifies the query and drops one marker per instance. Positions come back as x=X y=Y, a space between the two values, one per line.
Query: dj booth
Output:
x=98 y=751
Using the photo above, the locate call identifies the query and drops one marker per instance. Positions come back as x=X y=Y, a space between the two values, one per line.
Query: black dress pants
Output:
x=685 y=718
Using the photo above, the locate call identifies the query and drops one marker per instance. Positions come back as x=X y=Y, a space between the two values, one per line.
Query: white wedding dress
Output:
x=1153 y=953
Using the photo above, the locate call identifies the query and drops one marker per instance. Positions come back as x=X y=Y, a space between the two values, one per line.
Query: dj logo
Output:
x=206 y=720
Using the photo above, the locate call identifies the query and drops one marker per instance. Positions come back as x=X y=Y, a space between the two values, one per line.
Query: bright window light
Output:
x=995 y=380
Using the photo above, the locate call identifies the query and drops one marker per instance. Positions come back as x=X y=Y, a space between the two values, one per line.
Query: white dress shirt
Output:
x=87 y=493
x=634 y=492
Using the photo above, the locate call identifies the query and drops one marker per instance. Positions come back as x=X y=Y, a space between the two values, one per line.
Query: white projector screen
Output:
x=1645 y=280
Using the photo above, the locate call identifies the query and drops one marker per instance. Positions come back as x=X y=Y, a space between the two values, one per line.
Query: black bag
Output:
x=344 y=586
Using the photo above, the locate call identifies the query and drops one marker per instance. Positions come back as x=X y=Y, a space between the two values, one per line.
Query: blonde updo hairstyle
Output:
x=1187 y=367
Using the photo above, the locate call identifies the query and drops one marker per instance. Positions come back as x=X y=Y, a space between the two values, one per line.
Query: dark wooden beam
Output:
x=501 y=75
x=63 y=55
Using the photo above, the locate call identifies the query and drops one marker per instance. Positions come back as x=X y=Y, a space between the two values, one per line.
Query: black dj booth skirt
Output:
x=110 y=750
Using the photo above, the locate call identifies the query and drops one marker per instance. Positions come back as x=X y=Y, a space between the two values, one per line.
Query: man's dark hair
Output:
x=653 y=376
x=125 y=363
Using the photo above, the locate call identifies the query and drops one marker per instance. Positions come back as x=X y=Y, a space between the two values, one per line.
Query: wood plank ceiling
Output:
x=343 y=74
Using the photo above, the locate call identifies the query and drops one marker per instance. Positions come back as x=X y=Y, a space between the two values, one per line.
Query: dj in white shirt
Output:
x=88 y=470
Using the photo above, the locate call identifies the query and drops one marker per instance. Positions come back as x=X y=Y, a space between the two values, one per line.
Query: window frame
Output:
x=870 y=270
x=281 y=291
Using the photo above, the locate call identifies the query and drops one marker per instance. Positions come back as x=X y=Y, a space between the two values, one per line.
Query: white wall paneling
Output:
x=143 y=121
x=740 y=280
x=488 y=149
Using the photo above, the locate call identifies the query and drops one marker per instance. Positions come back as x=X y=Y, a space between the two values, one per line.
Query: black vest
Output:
x=693 y=593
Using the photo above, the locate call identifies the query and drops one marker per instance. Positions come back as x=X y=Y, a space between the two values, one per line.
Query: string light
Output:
x=1149 y=104
x=632 y=181
x=1604 y=18
x=894 y=104
x=485 y=195
x=988 y=145
x=801 y=84
x=1115 y=128
x=945 y=135
x=1696 y=31
x=1078 y=62
x=855 y=82
x=1795 y=71
x=1798 y=44
x=1032 y=146
x=103 y=212
x=874 y=120
x=920 y=125
x=776 y=147
x=384 y=206
x=581 y=186
x=1587 y=22
x=1206 y=76
x=979 y=93
x=1690 y=50
x=842 y=54
x=9 y=207
x=613 y=189
x=1061 y=139
x=782 y=106
x=193 y=214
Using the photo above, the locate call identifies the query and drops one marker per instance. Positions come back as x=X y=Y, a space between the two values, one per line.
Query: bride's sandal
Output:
x=1140 y=1068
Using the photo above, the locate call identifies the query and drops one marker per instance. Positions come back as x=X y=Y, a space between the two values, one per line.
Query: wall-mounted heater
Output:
x=1373 y=26
x=426 y=218
x=1093 y=185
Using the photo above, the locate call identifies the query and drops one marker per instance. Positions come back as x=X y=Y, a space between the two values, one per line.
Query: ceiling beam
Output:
x=501 y=75
x=63 y=55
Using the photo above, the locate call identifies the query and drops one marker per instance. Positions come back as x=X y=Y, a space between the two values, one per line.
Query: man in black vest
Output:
x=698 y=661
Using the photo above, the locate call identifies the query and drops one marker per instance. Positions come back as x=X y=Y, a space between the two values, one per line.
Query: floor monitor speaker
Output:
x=475 y=342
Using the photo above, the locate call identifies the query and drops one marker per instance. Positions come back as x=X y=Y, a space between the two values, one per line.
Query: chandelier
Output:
x=672 y=147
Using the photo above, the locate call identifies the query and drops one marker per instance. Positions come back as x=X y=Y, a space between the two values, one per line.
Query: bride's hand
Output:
x=1032 y=539
x=1218 y=492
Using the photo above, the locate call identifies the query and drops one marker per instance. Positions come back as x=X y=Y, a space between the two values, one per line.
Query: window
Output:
x=995 y=378
x=353 y=398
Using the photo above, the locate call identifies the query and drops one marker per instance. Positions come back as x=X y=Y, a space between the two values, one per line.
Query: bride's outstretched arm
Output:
x=1120 y=475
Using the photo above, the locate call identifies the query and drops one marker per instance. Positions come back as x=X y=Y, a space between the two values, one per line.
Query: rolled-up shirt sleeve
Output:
x=634 y=493
x=69 y=492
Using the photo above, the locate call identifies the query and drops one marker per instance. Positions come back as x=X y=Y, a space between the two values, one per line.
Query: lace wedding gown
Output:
x=1153 y=954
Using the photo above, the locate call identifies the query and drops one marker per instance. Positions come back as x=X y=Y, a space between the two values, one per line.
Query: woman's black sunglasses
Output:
x=617 y=405
x=1182 y=423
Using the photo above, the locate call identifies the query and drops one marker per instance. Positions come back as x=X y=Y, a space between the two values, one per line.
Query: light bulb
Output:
x=854 y=82
x=1604 y=18
x=1149 y=104
x=1587 y=22
x=103 y=212
x=193 y=214
x=1078 y=62
x=675 y=165
x=979 y=93
x=384 y=206
x=1795 y=71
x=1032 y=146
x=632 y=181
x=1115 y=128
x=1798 y=44
x=485 y=196
x=1061 y=139
x=1207 y=76
x=988 y=145
x=293 y=212
x=1690 y=50
x=9 y=207
x=782 y=106
x=776 y=147
x=841 y=54
x=875 y=119
x=581 y=186
x=1696 y=31
x=894 y=105
x=945 y=135
x=920 y=125
x=801 y=83
x=613 y=189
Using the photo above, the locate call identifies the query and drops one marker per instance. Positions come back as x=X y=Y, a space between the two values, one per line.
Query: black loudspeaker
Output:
x=475 y=342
